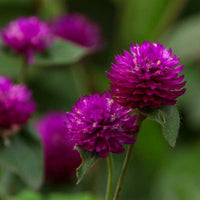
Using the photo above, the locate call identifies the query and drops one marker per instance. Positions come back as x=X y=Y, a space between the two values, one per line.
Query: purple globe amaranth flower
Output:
x=78 y=29
x=27 y=35
x=16 y=106
x=99 y=124
x=61 y=160
x=147 y=77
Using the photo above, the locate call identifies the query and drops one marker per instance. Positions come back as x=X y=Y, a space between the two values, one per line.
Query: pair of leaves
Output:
x=24 y=157
x=168 y=118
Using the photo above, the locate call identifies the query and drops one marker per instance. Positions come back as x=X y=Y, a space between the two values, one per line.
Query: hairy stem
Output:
x=126 y=163
x=110 y=178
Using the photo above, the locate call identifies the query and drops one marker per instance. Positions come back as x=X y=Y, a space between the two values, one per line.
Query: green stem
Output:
x=110 y=178
x=23 y=71
x=124 y=170
x=127 y=161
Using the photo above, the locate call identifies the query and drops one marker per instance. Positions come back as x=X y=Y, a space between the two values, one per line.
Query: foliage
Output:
x=66 y=71
x=61 y=52
x=168 y=118
x=88 y=160
x=22 y=155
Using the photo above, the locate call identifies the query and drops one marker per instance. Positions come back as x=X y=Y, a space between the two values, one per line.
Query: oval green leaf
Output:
x=24 y=156
x=61 y=52
x=88 y=160
x=168 y=117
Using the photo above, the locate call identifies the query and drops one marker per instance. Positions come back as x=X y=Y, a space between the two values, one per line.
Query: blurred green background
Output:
x=157 y=172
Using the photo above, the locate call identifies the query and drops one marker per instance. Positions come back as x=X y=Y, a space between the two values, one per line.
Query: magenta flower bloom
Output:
x=78 y=29
x=147 y=77
x=27 y=36
x=61 y=160
x=16 y=106
x=99 y=124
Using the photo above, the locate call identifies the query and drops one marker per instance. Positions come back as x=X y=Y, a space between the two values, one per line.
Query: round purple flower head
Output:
x=147 y=77
x=16 y=106
x=99 y=124
x=78 y=29
x=27 y=35
x=61 y=160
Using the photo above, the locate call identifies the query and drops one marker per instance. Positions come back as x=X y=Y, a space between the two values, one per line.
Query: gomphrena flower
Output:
x=147 y=77
x=78 y=29
x=16 y=106
x=27 y=35
x=99 y=124
x=61 y=160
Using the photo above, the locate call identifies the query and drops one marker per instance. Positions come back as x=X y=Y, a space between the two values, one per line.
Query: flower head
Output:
x=78 y=29
x=27 y=35
x=99 y=124
x=147 y=77
x=61 y=160
x=16 y=106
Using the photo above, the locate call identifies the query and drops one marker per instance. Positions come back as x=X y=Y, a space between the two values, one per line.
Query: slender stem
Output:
x=23 y=71
x=110 y=178
x=127 y=161
x=124 y=170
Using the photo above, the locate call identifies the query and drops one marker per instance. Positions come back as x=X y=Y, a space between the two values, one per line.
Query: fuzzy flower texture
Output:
x=27 y=36
x=61 y=160
x=147 y=77
x=99 y=124
x=16 y=106
x=78 y=29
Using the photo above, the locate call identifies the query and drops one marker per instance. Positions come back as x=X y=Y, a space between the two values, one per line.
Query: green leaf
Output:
x=88 y=160
x=168 y=117
x=10 y=184
x=24 y=157
x=61 y=52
